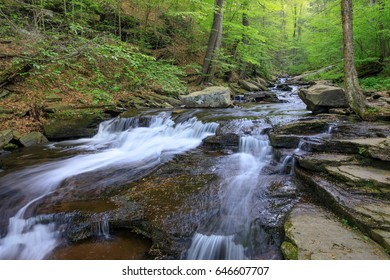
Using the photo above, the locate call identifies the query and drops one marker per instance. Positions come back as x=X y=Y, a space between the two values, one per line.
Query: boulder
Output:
x=33 y=138
x=264 y=97
x=314 y=233
x=320 y=97
x=259 y=85
x=211 y=97
x=5 y=137
x=248 y=85
x=62 y=127
x=10 y=147
x=264 y=82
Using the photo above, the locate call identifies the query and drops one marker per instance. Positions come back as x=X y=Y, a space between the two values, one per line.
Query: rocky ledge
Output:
x=343 y=165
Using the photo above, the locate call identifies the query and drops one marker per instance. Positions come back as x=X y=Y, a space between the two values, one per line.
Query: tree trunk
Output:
x=245 y=40
x=295 y=20
x=214 y=43
x=119 y=7
x=353 y=92
x=383 y=44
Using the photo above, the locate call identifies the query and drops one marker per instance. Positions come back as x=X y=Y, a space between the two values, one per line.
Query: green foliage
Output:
x=100 y=96
x=362 y=150
x=163 y=77
x=95 y=41
x=375 y=83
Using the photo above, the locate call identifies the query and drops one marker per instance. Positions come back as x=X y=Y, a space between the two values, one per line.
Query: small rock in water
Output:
x=284 y=87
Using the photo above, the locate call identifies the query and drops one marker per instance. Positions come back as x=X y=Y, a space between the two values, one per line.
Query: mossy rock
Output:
x=5 y=137
x=289 y=251
x=33 y=138
x=10 y=147
x=71 y=126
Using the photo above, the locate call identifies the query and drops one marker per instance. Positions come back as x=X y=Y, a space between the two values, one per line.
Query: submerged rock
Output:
x=313 y=233
x=284 y=87
x=211 y=97
x=321 y=97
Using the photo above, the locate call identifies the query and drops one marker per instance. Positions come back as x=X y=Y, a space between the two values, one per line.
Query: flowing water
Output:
x=118 y=142
x=228 y=232
x=127 y=149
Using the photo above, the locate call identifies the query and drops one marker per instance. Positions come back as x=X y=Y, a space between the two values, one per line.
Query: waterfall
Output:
x=289 y=160
x=119 y=142
x=101 y=228
x=225 y=238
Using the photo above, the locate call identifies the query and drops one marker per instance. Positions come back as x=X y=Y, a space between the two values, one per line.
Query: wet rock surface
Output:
x=313 y=233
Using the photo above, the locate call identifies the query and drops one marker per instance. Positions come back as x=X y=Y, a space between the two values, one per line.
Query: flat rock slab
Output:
x=316 y=234
x=318 y=162
x=378 y=148
x=362 y=175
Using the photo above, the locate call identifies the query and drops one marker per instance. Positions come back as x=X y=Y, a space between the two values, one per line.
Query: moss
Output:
x=289 y=251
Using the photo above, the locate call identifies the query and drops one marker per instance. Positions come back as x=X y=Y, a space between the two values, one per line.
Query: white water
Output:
x=101 y=228
x=241 y=175
x=119 y=142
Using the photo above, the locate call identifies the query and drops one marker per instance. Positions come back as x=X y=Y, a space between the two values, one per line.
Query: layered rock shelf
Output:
x=343 y=170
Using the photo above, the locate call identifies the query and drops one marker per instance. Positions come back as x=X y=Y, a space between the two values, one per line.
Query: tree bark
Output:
x=383 y=44
x=245 y=40
x=214 y=43
x=119 y=8
x=353 y=92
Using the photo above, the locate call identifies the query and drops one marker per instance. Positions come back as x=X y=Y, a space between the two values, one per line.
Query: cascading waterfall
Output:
x=101 y=228
x=224 y=237
x=118 y=143
x=289 y=160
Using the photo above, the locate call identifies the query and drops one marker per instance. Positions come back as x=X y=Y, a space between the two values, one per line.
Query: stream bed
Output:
x=189 y=184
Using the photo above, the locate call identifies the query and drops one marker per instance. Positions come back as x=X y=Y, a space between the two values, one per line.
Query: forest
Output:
x=161 y=46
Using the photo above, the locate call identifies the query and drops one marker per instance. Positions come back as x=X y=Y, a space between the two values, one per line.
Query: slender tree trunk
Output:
x=245 y=40
x=295 y=21
x=65 y=7
x=353 y=92
x=42 y=16
x=73 y=11
x=383 y=44
x=372 y=2
x=300 y=23
x=119 y=19
x=214 y=43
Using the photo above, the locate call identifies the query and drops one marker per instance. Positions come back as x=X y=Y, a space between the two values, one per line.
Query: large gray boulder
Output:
x=211 y=97
x=321 y=97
